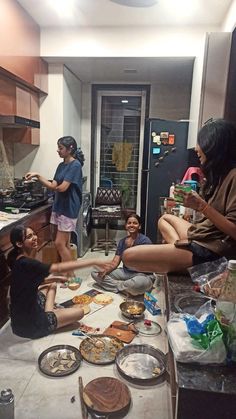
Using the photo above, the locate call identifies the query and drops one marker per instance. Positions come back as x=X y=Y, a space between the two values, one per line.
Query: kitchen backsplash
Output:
x=6 y=163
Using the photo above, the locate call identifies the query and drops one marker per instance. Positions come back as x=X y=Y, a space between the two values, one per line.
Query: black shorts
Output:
x=201 y=254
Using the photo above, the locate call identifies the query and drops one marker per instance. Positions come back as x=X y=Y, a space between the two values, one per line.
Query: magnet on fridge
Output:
x=171 y=139
x=156 y=139
x=156 y=150
x=153 y=134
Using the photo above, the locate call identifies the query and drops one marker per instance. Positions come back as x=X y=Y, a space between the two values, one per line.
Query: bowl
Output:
x=132 y=309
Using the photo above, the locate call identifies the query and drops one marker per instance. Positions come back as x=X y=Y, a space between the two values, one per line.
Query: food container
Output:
x=141 y=362
x=132 y=309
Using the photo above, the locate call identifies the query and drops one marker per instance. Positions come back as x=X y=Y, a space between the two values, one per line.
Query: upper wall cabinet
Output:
x=20 y=46
x=209 y=83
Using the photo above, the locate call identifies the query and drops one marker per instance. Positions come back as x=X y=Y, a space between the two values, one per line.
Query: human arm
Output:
x=50 y=184
x=221 y=222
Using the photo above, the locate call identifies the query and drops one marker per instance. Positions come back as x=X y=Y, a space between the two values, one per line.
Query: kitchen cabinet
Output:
x=209 y=85
x=22 y=135
x=39 y=220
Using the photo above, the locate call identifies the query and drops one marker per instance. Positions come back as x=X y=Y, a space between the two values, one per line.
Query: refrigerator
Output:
x=165 y=160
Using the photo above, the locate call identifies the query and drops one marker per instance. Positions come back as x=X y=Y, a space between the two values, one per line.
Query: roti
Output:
x=103 y=299
x=82 y=299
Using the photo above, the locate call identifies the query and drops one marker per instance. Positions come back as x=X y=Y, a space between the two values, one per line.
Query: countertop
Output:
x=220 y=379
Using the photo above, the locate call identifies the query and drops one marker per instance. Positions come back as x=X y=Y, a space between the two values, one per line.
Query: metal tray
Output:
x=141 y=362
x=59 y=360
x=103 y=355
x=190 y=302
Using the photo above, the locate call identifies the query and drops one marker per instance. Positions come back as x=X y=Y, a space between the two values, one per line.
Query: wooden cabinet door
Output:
x=23 y=102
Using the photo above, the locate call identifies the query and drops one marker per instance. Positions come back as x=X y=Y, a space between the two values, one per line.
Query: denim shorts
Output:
x=201 y=254
x=63 y=223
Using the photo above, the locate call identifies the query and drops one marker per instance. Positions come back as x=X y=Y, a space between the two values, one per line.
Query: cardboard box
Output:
x=150 y=303
x=49 y=253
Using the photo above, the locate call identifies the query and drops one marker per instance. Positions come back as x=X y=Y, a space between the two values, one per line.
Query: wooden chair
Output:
x=108 y=205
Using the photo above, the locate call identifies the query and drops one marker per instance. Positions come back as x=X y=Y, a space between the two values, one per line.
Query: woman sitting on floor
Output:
x=214 y=235
x=33 y=312
x=124 y=279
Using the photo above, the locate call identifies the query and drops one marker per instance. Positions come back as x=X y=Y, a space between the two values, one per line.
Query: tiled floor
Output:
x=41 y=397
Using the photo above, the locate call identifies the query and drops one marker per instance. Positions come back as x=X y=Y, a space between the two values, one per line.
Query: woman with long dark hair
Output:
x=67 y=185
x=214 y=235
x=33 y=312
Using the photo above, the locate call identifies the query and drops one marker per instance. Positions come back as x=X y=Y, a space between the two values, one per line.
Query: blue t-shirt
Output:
x=68 y=203
x=140 y=239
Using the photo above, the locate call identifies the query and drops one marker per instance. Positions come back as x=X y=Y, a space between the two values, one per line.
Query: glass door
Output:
x=119 y=143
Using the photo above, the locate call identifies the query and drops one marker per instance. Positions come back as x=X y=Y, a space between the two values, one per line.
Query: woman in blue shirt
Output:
x=67 y=185
x=124 y=279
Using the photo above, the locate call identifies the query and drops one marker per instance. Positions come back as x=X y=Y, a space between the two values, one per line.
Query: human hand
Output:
x=192 y=200
x=31 y=175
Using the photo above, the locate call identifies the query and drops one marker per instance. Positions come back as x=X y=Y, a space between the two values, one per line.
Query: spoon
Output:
x=96 y=341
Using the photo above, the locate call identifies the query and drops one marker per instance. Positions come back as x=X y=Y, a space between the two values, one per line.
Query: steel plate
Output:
x=59 y=360
x=141 y=362
x=102 y=355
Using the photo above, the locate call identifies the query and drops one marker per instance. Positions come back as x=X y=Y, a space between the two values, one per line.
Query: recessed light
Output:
x=130 y=70
x=124 y=101
x=135 y=3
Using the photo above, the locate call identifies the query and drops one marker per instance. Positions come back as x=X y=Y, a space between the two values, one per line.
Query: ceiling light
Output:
x=124 y=101
x=135 y=3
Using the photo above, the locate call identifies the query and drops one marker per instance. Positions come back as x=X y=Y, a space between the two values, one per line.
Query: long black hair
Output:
x=17 y=235
x=217 y=140
x=134 y=215
x=70 y=144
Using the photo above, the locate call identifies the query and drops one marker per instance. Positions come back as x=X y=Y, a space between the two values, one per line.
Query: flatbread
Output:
x=82 y=299
x=103 y=299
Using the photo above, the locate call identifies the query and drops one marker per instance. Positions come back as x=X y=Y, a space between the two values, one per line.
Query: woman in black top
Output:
x=33 y=312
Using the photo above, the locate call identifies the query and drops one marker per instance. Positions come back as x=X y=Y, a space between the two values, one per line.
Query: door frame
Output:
x=97 y=138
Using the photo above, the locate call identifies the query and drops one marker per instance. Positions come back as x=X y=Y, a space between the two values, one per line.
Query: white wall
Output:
x=122 y=42
x=59 y=115
x=72 y=98
x=230 y=19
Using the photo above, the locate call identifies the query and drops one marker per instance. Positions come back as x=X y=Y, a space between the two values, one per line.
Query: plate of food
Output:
x=132 y=309
x=59 y=360
x=103 y=299
x=82 y=299
x=100 y=354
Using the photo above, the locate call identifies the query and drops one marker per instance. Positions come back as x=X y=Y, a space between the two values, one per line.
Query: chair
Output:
x=108 y=204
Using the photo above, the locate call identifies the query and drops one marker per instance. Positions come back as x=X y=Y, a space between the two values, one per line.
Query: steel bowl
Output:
x=129 y=306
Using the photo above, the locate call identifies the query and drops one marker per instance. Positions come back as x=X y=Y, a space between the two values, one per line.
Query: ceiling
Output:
x=108 y=13
x=88 y=13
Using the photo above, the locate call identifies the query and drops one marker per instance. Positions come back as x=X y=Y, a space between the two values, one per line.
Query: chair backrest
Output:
x=108 y=196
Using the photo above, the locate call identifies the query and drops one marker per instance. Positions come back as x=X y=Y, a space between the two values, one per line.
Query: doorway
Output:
x=118 y=141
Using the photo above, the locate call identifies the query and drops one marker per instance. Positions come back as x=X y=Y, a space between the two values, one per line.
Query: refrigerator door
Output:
x=165 y=161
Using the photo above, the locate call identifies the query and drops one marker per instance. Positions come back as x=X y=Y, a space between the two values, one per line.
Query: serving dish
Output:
x=59 y=360
x=132 y=309
x=190 y=302
x=141 y=362
x=104 y=354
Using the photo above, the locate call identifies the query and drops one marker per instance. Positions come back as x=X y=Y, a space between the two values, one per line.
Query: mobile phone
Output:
x=182 y=243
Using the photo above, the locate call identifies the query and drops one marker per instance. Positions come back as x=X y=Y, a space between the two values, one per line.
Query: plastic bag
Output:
x=210 y=276
x=197 y=339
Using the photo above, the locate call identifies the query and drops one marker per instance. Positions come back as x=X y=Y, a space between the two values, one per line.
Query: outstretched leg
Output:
x=157 y=258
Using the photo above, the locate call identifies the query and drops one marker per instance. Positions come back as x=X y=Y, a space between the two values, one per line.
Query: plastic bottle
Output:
x=226 y=310
x=171 y=191
x=6 y=404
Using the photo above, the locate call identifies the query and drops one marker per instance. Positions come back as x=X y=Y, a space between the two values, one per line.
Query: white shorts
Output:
x=63 y=223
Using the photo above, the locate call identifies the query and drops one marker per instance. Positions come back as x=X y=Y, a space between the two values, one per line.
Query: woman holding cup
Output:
x=214 y=235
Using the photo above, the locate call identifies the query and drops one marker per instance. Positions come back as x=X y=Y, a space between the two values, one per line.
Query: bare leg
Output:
x=157 y=258
x=68 y=315
x=64 y=316
x=173 y=228
x=62 y=246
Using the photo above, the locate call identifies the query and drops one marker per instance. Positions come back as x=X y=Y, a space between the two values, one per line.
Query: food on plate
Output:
x=82 y=299
x=73 y=286
x=156 y=371
x=132 y=309
x=103 y=299
x=61 y=361
x=102 y=352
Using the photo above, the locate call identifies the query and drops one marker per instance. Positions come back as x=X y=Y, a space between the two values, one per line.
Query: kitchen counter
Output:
x=38 y=219
x=206 y=392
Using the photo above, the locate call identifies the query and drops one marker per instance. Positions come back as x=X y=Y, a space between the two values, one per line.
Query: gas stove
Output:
x=25 y=196
x=21 y=203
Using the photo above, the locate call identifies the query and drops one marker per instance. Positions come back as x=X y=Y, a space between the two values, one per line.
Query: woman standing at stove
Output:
x=67 y=185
